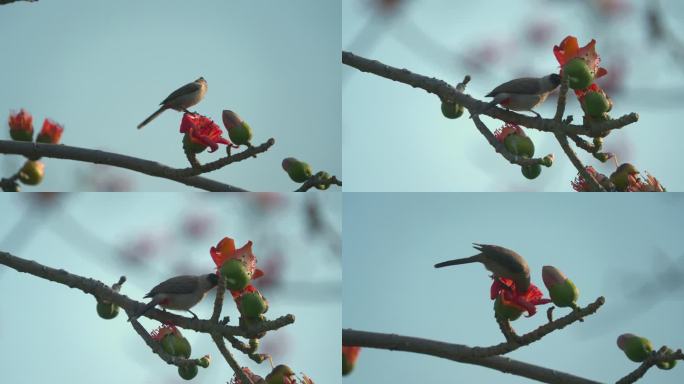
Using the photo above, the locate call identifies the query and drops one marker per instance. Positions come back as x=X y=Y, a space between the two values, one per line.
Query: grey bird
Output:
x=181 y=99
x=180 y=292
x=500 y=261
x=525 y=93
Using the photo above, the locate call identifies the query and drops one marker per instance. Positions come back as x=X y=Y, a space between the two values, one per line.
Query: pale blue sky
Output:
x=52 y=333
x=100 y=68
x=396 y=139
x=613 y=246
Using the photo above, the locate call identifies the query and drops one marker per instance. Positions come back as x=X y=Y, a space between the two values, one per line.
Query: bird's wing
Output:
x=184 y=90
x=504 y=256
x=524 y=85
x=178 y=284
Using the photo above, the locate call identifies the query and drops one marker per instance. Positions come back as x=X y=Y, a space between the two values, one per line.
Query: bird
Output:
x=525 y=93
x=181 y=99
x=500 y=261
x=180 y=292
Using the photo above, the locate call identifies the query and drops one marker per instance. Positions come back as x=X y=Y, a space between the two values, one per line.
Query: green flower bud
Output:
x=452 y=110
x=322 y=175
x=596 y=104
x=298 y=171
x=205 y=361
x=562 y=290
x=32 y=172
x=579 y=74
x=519 y=145
x=620 y=177
x=188 y=372
x=278 y=374
x=253 y=304
x=636 y=348
x=667 y=364
x=107 y=310
x=531 y=171
x=548 y=160
x=235 y=273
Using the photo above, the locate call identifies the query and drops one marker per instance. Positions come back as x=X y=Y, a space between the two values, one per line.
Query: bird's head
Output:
x=213 y=279
x=200 y=80
x=555 y=79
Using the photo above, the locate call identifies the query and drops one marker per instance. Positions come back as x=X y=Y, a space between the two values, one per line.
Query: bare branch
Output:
x=459 y=353
x=229 y=358
x=317 y=179
x=33 y=150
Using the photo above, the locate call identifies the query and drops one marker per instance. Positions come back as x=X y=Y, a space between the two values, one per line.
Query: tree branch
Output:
x=2 y=2
x=446 y=92
x=457 y=352
x=647 y=364
x=318 y=180
x=147 y=167
x=105 y=293
x=229 y=358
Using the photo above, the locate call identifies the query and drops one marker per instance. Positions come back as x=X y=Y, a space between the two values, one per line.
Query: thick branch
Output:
x=103 y=292
x=446 y=92
x=458 y=352
x=152 y=168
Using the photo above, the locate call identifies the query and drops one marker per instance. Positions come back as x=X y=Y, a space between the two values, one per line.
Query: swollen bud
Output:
x=192 y=146
x=620 y=178
x=520 y=145
x=562 y=290
x=667 y=364
x=239 y=132
x=531 y=171
x=298 y=171
x=579 y=74
x=253 y=304
x=188 y=372
x=636 y=348
x=505 y=311
x=107 y=310
x=322 y=175
x=547 y=161
x=451 y=110
x=279 y=374
x=596 y=104
x=32 y=172
x=205 y=361
x=235 y=273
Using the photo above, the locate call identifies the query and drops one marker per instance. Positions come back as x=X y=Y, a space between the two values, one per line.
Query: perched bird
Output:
x=525 y=93
x=181 y=99
x=180 y=292
x=502 y=262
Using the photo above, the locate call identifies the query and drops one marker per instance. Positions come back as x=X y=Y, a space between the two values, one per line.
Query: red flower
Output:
x=580 y=93
x=508 y=129
x=202 y=131
x=225 y=250
x=248 y=289
x=581 y=185
x=21 y=126
x=351 y=353
x=50 y=133
x=569 y=49
x=163 y=330
x=251 y=375
x=525 y=301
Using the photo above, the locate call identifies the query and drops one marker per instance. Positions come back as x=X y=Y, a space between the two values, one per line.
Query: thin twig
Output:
x=647 y=364
x=230 y=359
x=316 y=179
x=220 y=293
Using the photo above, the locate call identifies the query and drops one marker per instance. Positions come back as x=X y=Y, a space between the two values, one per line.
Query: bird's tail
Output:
x=149 y=306
x=465 y=260
x=152 y=116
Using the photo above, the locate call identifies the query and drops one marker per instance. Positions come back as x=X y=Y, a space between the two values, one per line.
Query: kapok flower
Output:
x=647 y=184
x=581 y=185
x=162 y=331
x=349 y=356
x=569 y=49
x=21 y=126
x=525 y=301
x=202 y=131
x=251 y=375
x=508 y=129
x=50 y=133
x=226 y=250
